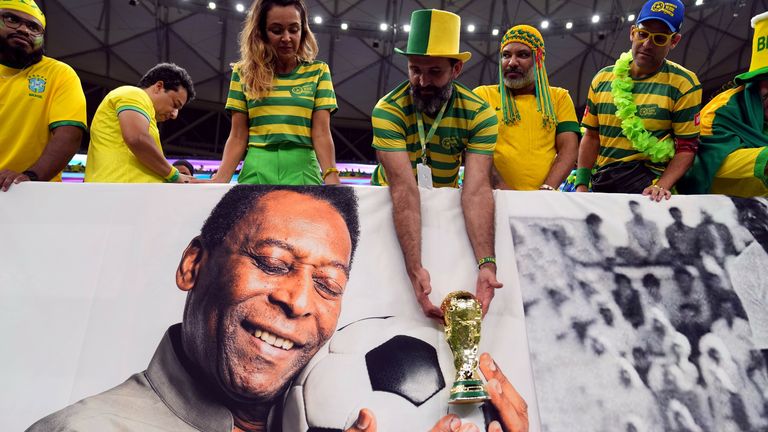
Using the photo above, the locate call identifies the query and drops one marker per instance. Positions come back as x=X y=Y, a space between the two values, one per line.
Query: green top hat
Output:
x=758 y=67
x=435 y=33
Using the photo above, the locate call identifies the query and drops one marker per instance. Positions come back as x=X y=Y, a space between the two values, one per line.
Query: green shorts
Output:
x=283 y=164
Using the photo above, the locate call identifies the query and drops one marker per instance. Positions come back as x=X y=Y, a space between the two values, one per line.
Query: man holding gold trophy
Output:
x=467 y=132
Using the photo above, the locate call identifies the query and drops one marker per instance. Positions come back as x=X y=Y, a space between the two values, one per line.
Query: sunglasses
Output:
x=14 y=22
x=659 y=39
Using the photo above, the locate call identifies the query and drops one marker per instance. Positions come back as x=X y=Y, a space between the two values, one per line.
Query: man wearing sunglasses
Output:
x=642 y=114
x=733 y=157
x=42 y=105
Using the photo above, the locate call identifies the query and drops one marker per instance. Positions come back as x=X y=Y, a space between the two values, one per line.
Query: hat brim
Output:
x=667 y=23
x=751 y=75
x=463 y=56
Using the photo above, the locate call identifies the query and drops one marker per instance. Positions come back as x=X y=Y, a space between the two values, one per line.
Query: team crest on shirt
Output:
x=449 y=143
x=36 y=84
x=307 y=89
x=647 y=111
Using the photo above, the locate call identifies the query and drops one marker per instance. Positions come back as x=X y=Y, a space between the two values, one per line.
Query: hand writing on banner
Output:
x=486 y=286
x=422 y=288
x=511 y=406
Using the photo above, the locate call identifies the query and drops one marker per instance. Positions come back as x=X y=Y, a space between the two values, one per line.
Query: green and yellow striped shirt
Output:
x=468 y=124
x=284 y=116
x=667 y=101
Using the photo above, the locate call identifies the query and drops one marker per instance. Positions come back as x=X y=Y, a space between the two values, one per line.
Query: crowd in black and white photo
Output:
x=647 y=335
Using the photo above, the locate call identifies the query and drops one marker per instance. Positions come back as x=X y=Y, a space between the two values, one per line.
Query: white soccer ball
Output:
x=400 y=369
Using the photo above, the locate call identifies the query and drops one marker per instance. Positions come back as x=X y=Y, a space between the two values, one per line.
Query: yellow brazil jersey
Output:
x=109 y=158
x=33 y=102
x=284 y=116
x=667 y=101
x=525 y=150
x=468 y=125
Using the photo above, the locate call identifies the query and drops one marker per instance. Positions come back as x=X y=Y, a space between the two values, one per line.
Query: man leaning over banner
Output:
x=642 y=114
x=125 y=141
x=421 y=129
x=733 y=154
x=538 y=142
x=265 y=281
x=42 y=105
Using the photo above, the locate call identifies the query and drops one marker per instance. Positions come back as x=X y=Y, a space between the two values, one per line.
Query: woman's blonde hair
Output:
x=258 y=59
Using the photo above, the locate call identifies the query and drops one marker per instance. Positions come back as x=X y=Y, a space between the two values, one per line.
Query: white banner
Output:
x=87 y=290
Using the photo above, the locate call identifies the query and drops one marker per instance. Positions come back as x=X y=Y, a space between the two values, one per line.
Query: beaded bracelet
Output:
x=486 y=260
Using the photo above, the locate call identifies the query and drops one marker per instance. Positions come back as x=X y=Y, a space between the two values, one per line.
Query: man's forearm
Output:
x=561 y=167
x=588 y=150
x=675 y=169
x=64 y=142
x=567 y=146
x=143 y=147
x=478 y=208
x=406 y=214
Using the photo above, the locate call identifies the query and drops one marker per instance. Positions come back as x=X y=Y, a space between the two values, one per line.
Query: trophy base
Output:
x=468 y=392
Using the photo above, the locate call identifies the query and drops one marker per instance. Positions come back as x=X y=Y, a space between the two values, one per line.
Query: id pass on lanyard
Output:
x=423 y=171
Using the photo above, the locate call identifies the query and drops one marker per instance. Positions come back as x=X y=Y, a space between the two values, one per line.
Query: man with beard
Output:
x=42 y=105
x=538 y=141
x=642 y=114
x=415 y=152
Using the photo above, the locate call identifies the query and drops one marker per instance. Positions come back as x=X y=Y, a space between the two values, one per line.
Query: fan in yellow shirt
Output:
x=125 y=142
x=538 y=141
x=42 y=105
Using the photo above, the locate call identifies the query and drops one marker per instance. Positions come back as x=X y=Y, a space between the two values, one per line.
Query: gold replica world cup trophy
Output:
x=463 y=315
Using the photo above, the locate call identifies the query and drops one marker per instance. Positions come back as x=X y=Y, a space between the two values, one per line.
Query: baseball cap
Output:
x=670 y=12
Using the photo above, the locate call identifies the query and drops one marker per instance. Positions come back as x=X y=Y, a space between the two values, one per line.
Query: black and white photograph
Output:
x=648 y=317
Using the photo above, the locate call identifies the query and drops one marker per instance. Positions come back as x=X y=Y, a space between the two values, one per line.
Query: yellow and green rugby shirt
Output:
x=284 y=116
x=469 y=124
x=668 y=102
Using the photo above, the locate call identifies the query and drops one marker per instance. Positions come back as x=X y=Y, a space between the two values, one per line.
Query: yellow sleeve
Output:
x=325 y=97
x=685 y=114
x=565 y=111
x=68 y=108
x=236 y=100
x=131 y=98
x=589 y=120
x=389 y=127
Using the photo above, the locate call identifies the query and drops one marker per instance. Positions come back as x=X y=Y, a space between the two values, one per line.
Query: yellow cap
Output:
x=29 y=7
x=759 y=64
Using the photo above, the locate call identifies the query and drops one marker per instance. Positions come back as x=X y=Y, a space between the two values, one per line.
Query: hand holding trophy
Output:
x=463 y=316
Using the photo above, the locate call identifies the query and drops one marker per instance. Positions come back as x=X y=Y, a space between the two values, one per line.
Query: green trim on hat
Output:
x=751 y=75
x=418 y=40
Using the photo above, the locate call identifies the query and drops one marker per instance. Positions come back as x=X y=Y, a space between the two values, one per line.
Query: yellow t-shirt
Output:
x=33 y=102
x=109 y=158
x=525 y=151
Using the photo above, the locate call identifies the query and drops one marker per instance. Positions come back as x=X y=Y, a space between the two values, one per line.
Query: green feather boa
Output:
x=631 y=125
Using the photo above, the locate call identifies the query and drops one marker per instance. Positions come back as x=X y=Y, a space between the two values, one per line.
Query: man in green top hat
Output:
x=415 y=152
x=733 y=155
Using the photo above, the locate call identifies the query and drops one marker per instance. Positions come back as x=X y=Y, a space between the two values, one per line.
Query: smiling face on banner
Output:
x=265 y=300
